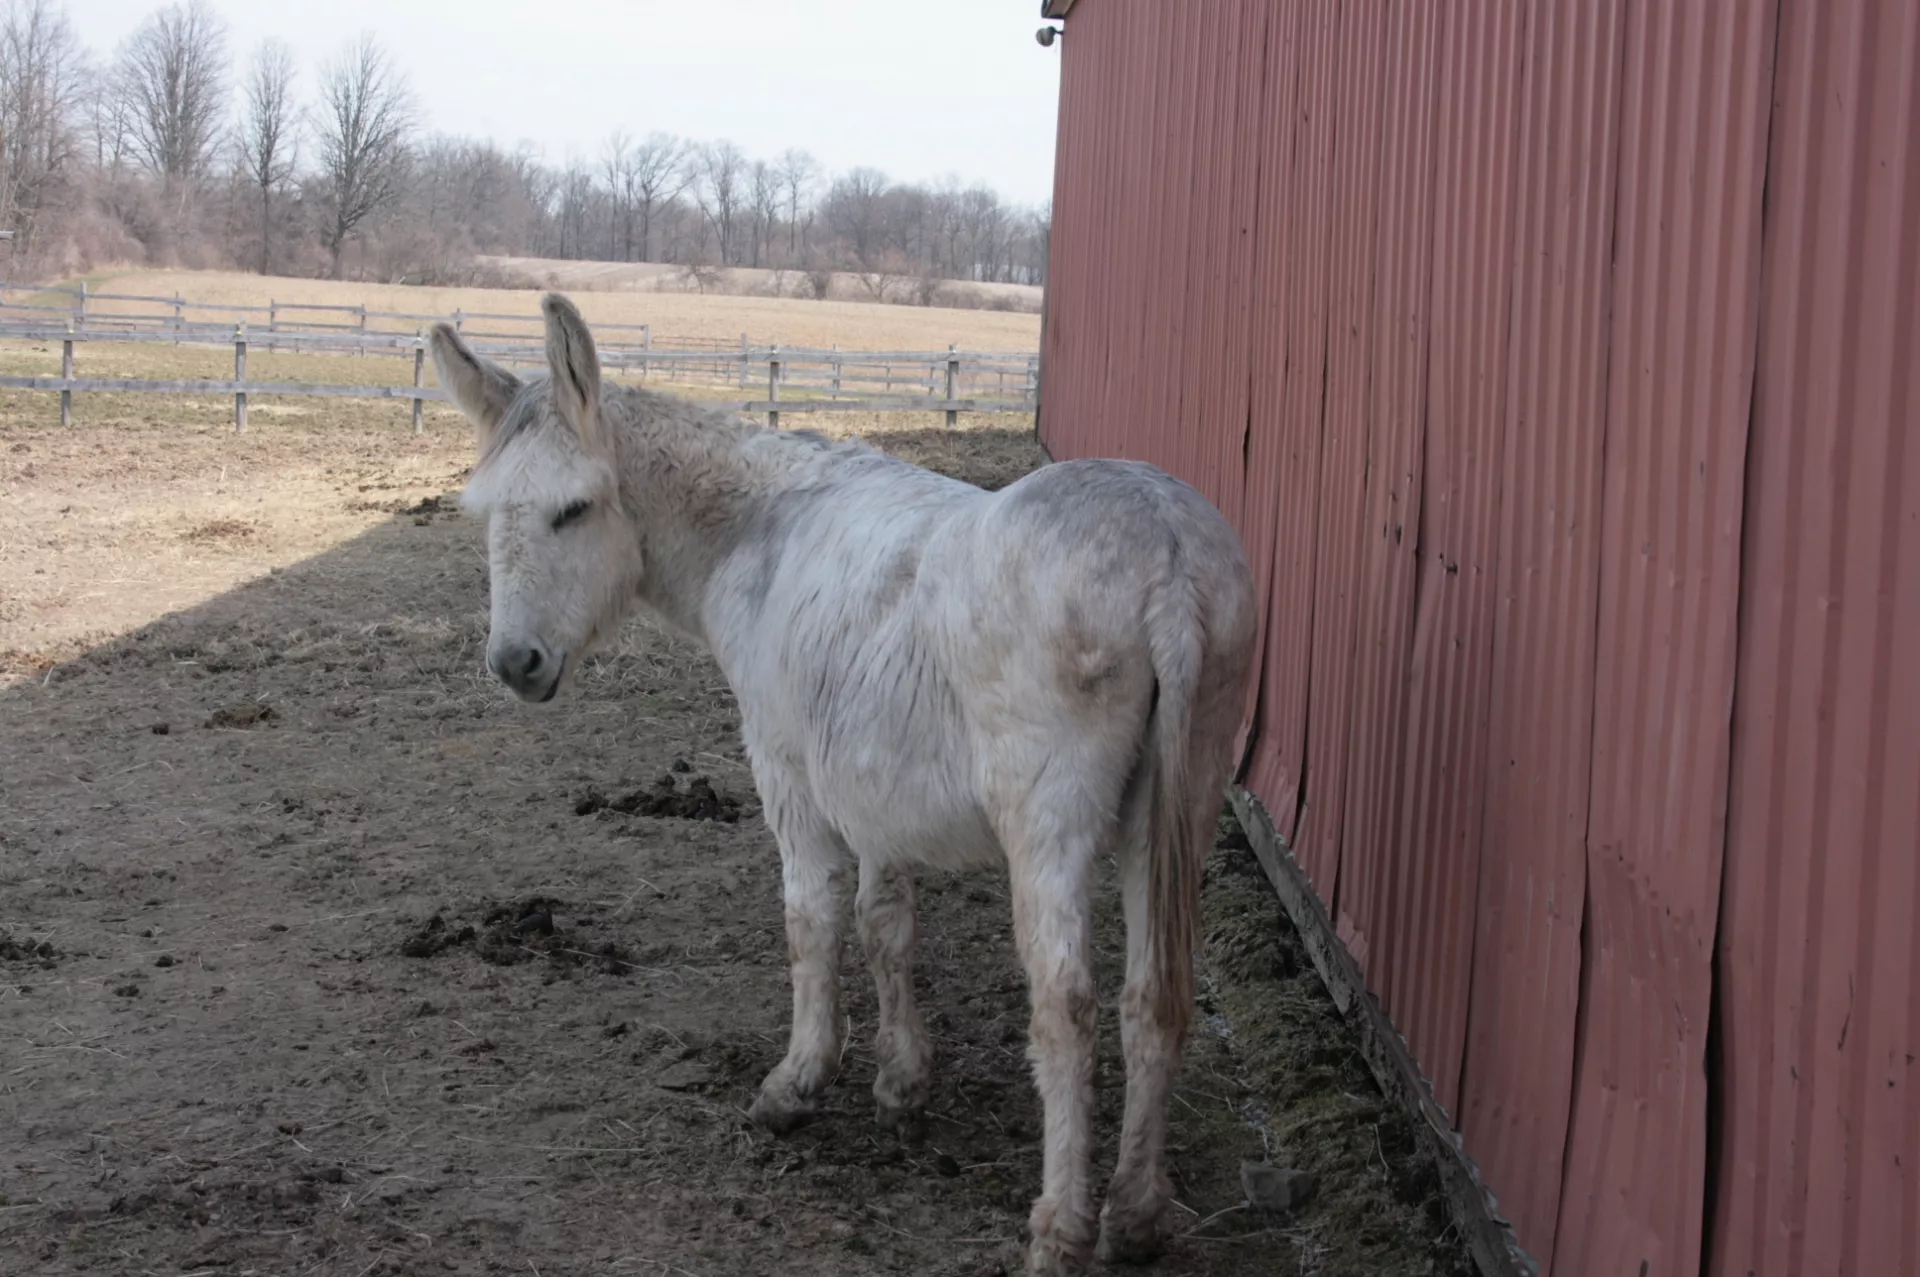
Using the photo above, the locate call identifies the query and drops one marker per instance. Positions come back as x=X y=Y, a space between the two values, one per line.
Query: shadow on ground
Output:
x=321 y=956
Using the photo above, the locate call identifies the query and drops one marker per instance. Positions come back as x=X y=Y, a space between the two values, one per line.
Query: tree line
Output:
x=174 y=152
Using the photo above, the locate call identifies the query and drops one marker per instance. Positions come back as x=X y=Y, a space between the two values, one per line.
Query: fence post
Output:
x=240 y=375
x=419 y=373
x=363 y=332
x=836 y=370
x=459 y=321
x=66 y=370
x=1033 y=380
x=743 y=361
x=179 y=316
x=953 y=384
x=773 y=387
x=646 y=350
x=80 y=305
x=273 y=323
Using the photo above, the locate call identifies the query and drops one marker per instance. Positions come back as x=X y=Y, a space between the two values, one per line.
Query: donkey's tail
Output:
x=1176 y=851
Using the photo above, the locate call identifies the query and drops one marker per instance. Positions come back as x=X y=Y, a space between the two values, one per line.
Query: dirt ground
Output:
x=319 y=955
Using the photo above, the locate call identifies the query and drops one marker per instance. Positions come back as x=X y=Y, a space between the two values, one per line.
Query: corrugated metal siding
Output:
x=1428 y=949
x=1358 y=91
x=1266 y=454
x=1457 y=310
x=1686 y=291
x=1819 y=949
x=1517 y=1090
x=1383 y=626
x=1290 y=423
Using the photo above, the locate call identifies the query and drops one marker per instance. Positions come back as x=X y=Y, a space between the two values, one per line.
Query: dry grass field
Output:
x=651 y=277
x=784 y=320
x=267 y=834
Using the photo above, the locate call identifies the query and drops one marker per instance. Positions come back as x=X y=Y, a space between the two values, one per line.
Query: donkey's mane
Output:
x=633 y=409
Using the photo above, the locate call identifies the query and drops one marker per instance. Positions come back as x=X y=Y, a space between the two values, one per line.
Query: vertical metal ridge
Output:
x=1360 y=90
x=1518 y=1071
x=1426 y=983
x=1396 y=429
x=1694 y=111
x=1279 y=764
x=1822 y=966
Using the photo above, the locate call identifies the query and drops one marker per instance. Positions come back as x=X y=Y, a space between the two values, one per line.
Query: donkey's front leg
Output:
x=813 y=862
x=889 y=929
x=1052 y=919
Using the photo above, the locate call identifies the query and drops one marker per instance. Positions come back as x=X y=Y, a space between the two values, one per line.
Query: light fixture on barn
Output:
x=1047 y=35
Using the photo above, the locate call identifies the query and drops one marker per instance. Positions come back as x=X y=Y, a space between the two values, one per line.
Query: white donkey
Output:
x=928 y=674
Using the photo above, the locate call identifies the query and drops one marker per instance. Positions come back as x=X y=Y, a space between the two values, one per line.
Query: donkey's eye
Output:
x=571 y=513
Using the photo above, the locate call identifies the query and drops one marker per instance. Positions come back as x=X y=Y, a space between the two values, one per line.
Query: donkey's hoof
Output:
x=1051 y=1257
x=907 y=1122
x=1135 y=1240
x=1130 y=1220
x=780 y=1114
x=1062 y=1243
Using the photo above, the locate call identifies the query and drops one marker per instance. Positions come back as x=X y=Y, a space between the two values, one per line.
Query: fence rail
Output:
x=952 y=381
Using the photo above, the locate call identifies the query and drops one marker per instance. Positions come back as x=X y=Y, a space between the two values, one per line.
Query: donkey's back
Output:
x=901 y=641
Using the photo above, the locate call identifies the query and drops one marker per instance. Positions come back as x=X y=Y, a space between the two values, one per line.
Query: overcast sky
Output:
x=917 y=88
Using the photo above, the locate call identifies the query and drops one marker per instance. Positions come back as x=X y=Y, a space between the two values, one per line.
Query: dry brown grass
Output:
x=783 y=320
x=655 y=277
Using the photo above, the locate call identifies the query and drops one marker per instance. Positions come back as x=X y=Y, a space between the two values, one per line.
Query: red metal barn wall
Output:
x=1558 y=363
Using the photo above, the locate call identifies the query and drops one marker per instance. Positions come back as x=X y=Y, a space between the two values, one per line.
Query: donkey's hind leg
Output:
x=889 y=929
x=813 y=871
x=1153 y=1030
x=1053 y=926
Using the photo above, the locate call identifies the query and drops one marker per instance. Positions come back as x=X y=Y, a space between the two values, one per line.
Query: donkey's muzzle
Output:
x=528 y=668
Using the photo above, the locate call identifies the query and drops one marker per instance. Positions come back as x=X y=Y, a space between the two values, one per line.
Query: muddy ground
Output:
x=318 y=955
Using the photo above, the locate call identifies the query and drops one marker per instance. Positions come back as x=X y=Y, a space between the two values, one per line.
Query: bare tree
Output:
x=722 y=192
x=763 y=205
x=173 y=72
x=658 y=176
x=855 y=211
x=797 y=172
x=617 y=164
x=576 y=202
x=366 y=116
x=268 y=138
x=42 y=85
x=985 y=220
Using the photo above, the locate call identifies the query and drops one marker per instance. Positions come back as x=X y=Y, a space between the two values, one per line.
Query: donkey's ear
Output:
x=482 y=389
x=575 y=366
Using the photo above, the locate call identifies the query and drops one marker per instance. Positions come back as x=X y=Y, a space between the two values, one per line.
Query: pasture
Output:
x=855 y=325
x=318 y=954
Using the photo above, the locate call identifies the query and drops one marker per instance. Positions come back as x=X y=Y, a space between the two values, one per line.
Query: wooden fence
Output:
x=952 y=381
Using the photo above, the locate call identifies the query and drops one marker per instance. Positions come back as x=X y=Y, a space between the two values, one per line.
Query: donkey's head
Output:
x=564 y=561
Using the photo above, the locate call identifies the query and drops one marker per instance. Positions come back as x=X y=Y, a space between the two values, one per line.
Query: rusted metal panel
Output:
x=1517 y=1086
x=1396 y=440
x=1289 y=405
x=1693 y=128
x=1819 y=952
